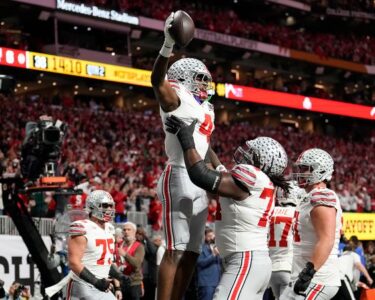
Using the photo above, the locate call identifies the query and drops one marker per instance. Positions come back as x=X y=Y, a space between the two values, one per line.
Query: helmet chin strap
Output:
x=198 y=99
x=203 y=96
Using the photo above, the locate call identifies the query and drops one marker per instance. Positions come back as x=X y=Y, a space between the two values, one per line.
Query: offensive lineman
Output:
x=90 y=251
x=244 y=208
x=185 y=94
x=280 y=240
x=315 y=272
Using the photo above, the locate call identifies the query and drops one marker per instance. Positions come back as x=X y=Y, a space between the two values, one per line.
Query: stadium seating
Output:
x=126 y=149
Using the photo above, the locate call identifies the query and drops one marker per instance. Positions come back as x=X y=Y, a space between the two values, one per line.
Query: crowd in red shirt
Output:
x=123 y=152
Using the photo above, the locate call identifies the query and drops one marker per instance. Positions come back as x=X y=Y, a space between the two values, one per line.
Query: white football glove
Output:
x=167 y=48
x=168 y=41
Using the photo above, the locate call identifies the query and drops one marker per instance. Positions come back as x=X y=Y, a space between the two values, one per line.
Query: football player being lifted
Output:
x=184 y=91
x=315 y=272
x=245 y=205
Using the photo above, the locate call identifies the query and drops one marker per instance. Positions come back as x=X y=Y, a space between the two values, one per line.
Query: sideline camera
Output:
x=41 y=148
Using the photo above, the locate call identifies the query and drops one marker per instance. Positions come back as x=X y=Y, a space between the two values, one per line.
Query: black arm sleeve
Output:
x=100 y=284
x=87 y=276
x=204 y=177
x=207 y=158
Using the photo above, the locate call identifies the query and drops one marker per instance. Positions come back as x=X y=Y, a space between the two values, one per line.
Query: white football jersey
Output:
x=188 y=111
x=280 y=239
x=100 y=247
x=244 y=225
x=305 y=237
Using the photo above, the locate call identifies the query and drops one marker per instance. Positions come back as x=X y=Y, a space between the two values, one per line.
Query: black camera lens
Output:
x=51 y=135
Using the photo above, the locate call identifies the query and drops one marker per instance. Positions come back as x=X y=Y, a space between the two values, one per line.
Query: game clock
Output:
x=68 y=66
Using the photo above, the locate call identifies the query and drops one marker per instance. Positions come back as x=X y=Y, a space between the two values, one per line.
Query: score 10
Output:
x=65 y=65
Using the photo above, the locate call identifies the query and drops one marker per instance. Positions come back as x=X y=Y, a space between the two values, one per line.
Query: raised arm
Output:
x=164 y=93
x=215 y=182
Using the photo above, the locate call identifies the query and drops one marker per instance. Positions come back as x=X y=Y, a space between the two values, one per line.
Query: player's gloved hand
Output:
x=168 y=40
x=114 y=272
x=102 y=284
x=304 y=279
x=183 y=131
x=166 y=49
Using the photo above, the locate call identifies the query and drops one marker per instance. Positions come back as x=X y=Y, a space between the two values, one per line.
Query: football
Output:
x=182 y=30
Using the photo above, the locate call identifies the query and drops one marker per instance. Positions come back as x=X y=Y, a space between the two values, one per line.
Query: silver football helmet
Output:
x=293 y=197
x=264 y=153
x=313 y=166
x=194 y=76
x=101 y=205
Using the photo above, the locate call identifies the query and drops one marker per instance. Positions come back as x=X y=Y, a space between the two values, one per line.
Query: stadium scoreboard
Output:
x=88 y=69
x=67 y=66
x=102 y=71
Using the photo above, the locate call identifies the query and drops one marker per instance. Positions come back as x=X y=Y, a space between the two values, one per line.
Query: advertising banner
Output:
x=14 y=264
x=96 y=12
x=294 y=4
x=360 y=224
x=102 y=71
x=349 y=13
x=249 y=94
x=12 y=57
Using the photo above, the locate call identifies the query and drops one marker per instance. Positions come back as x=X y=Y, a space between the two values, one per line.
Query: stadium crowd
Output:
x=123 y=153
x=356 y=48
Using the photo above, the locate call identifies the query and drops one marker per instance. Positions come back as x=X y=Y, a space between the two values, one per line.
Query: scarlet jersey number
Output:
x=105 y=244
x=284 y=235
x=207 y=126
x=267 y=194
x=297 y=237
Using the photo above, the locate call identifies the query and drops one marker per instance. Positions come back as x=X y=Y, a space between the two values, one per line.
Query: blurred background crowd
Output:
x=115 y=140
x=123 y=153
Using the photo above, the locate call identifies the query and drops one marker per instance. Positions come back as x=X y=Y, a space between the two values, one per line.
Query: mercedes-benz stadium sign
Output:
x=97 y=12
